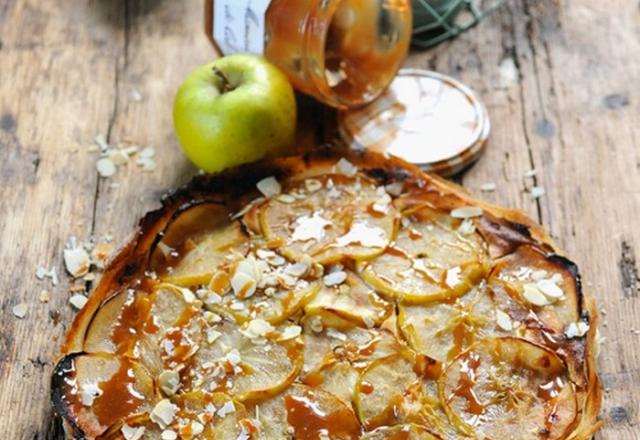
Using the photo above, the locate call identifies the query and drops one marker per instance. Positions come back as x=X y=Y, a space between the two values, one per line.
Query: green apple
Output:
x=234 y=110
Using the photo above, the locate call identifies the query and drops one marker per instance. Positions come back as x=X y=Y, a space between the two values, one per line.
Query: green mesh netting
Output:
x=437 y=20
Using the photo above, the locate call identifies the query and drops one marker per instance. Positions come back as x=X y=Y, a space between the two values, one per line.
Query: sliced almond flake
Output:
x=78 y=301
x=132 y=432
x=536 y=192
x=131 y=150
x=118 y=157
x=290 y=332
x=89 y=392
x=244 y=286
x=169 y=381
x=556 y=278
x=237 y=306
x=188 y=295
x=257 y=328
x=297 y=269
x=76 y=261
x=452 y=277
x=335 y=278
x=45 y=296
x=196 y=428
x=227 y=408
x=101 y=142
x=168 y=434
x=135 y=96
x=286 y=198
x=346 y=167
x=163 y=413
x=466 y=212
x=467 y=227
x=19 y=310
x=538 y=275
x=211 y=318
x=212 y=335
x=365 y=235
x=382 y=204
x=310 y=227
x=269 y=186
x=335 y=334
x=247 y=208
x=395 y=189
x=488 y=187
x=148 y=152
x=504 y=321
x=576 y=329
x=147 y=164
x=533 y=295
x=41 y=272
x=105 y=167
x=212 y=298
x=312 y=185
x=550 y=289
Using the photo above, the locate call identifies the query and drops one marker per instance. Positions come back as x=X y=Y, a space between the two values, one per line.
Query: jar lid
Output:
x=425 y=118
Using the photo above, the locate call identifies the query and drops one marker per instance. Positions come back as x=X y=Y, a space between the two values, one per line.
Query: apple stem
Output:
x=226 y=85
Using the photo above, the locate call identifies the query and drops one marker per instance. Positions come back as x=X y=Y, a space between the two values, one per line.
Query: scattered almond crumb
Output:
x=78 y=301
x=20 y=310
x=531 y=173
x=537 y=191
x=45 y=296
x=488 y=187
x=135 y=95
x=105 y=167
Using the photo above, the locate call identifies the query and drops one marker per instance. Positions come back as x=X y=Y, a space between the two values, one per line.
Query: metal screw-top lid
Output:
x=425 y=118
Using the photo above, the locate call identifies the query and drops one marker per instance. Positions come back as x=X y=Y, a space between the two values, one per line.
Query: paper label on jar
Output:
x=239 y=25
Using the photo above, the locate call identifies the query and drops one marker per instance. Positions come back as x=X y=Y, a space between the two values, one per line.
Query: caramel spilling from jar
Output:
x=342 y=52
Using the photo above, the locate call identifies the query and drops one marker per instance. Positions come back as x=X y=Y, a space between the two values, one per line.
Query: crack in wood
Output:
x=629 y=271
x=116 y=105
x=513 y=50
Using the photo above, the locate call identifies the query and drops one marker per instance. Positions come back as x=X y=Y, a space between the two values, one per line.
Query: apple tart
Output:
x=336 y=295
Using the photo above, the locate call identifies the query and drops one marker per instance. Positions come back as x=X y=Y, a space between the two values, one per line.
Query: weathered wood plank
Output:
x=56 y=85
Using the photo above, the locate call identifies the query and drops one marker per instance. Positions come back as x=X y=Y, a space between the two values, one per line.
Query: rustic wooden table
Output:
x=559 y=77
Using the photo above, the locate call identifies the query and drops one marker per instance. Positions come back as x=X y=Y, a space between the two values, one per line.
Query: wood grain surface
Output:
x=560 y=80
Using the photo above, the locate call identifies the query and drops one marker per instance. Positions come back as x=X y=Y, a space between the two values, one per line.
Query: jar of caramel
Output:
x=342 y=52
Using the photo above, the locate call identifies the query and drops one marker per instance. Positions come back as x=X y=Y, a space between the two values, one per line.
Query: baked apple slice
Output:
x=198 y=241
x=441 y=330
x=430 y=259
x=264 y=285
x=303 y=412
x=505 y=385
x=252 y=362
x=352 y=300
x=330 y=217
x=95 y=391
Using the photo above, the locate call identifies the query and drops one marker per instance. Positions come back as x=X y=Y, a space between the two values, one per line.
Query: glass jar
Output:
x=342 y=52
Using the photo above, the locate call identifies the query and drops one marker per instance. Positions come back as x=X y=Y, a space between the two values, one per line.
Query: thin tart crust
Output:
x=335 y=295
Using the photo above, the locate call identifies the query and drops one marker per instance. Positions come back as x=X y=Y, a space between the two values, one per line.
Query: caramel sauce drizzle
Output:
x=132 y=321
x=309 y=421
x=119 y=397
x=466 y=383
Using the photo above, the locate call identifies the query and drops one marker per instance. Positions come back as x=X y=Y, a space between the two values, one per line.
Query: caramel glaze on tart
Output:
x=351 y=297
